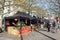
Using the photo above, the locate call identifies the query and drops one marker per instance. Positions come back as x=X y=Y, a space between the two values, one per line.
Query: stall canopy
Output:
x=21 y=14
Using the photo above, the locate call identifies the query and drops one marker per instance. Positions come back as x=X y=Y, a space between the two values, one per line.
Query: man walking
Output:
x=48 y=25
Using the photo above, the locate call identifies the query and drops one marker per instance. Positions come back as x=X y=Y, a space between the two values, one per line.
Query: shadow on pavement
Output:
x=45 y=35
x=21 y=37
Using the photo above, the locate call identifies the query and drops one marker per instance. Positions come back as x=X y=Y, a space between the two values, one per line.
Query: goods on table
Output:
x=25 y=30
x=13 y=30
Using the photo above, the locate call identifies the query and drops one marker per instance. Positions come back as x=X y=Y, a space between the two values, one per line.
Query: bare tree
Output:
x=54 y=6
x=32 y=7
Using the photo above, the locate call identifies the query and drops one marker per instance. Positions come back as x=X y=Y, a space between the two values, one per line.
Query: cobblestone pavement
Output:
x=34 y=35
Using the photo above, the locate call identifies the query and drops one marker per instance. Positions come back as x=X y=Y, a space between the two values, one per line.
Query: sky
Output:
x=45 y=5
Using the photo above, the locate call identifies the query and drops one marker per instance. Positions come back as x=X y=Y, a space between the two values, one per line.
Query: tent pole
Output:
x=31 y=25
x=19 y=21
x=4 y=25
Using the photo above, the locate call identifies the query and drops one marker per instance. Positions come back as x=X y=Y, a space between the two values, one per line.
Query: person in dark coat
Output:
x=48 y=25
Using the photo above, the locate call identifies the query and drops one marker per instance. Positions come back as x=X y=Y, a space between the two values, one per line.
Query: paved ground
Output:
x=54 y=36
x=34 y=35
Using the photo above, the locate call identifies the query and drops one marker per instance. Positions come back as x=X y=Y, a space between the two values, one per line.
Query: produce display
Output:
x=15 y=31
x=12 y=30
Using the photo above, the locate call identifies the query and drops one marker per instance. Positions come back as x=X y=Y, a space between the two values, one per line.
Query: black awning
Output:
x=21 y=14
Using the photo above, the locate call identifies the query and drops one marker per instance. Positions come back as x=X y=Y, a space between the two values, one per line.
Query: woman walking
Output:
x=56 y=24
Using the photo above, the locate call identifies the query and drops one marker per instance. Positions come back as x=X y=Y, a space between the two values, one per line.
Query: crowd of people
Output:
x=51 y=24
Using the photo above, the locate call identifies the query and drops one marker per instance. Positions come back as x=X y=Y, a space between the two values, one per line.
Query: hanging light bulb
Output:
x=15 y=19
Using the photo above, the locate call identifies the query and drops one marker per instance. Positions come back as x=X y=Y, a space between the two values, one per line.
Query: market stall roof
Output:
x=21 y=14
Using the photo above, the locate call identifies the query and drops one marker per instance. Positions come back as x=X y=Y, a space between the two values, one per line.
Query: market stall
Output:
x=19 y=23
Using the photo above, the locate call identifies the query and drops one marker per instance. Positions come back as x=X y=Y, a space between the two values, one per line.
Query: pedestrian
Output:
x=48 y=25
x=42 y=22
x=57 y=24
x=31 y=27
x=53 y=26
